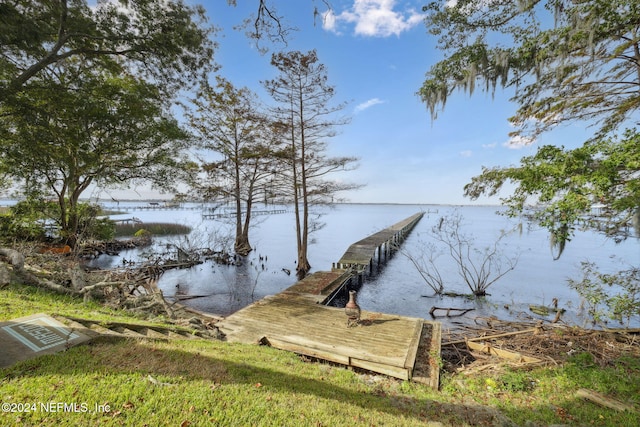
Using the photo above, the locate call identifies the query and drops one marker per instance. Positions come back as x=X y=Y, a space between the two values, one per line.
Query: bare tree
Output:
x=267 y=25
x=426 y=266
x=478 y=268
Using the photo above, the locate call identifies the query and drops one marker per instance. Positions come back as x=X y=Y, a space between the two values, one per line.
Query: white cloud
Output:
x=489 y=146
x=374 y=18
x=367 y=104
x=517 y=142
x=466 y=153
x=329 y=21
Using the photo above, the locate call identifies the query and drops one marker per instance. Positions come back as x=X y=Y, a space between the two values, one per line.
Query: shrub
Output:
x=614 y=296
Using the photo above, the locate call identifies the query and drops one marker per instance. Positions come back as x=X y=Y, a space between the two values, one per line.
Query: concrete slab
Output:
x=33 y=336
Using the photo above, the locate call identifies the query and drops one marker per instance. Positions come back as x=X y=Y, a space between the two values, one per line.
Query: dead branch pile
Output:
x=95 y=249
x=132 y=288
x=492 y=344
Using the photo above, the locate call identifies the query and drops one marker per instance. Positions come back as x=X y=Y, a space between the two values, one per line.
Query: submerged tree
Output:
x=232 y=128
x=478 y=267
x=303 y=96
x=87 y=126
x=614 y=296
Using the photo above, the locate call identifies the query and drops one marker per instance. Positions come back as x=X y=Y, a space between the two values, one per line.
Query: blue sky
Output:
x=377 y=53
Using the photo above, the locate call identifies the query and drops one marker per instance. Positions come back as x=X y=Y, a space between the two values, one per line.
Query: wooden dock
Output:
x=231 y=214
x=297 y=320
x=362 y=254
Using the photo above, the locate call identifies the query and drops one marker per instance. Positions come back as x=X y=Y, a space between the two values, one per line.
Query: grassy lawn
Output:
x=143 y=382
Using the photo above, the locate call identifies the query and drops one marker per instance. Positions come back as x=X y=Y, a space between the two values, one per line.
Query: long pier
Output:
x=298 y=320
x=214 y=215
x=362 y=254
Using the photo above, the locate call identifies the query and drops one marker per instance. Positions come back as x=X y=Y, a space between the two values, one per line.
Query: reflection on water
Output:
x=398 y=288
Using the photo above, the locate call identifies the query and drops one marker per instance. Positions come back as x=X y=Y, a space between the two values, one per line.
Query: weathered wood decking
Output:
x=362 y=254
x=296 y=320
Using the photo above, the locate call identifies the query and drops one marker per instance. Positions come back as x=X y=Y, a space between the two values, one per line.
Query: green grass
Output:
x=155 y=228
x=216 y=383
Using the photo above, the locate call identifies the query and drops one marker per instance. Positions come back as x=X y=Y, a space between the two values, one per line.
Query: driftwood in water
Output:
x=113 y=247
x=457 y=311
x=543 y=310
x=188 y=297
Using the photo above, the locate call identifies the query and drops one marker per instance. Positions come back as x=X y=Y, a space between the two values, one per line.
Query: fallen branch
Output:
x=15 y=258
x=605 y=401
x=100 y=285
x=486 y=348
x=462 y=311
x=156 y=382
x=160 y=297
x=45 y=283
x=188 y=297
x=490 y=337
x=32 y=269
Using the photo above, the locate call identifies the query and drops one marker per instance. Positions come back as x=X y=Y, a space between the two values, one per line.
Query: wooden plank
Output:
x=435 y=350
x=427 y=368
x=384 y=338
x=504 y=354
x=392 y=371
x=362 y=252
x=412 y=350
x=302 y=349
x=320 y=284
x=490 y=337
x=360 y=349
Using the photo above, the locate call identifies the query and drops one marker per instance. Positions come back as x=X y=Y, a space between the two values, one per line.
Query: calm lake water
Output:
x=398 y=288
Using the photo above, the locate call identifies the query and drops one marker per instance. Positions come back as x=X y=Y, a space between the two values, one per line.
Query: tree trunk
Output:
x=242 y=242
x=243 y=246
x=303 y=263
x=303 y=266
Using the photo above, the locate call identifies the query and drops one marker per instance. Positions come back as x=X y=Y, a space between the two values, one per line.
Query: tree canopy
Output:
x=87 y=126
x=566 y=61
x=594 y=186
x=231 y=123
x=85 y=93
x=165 y=41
